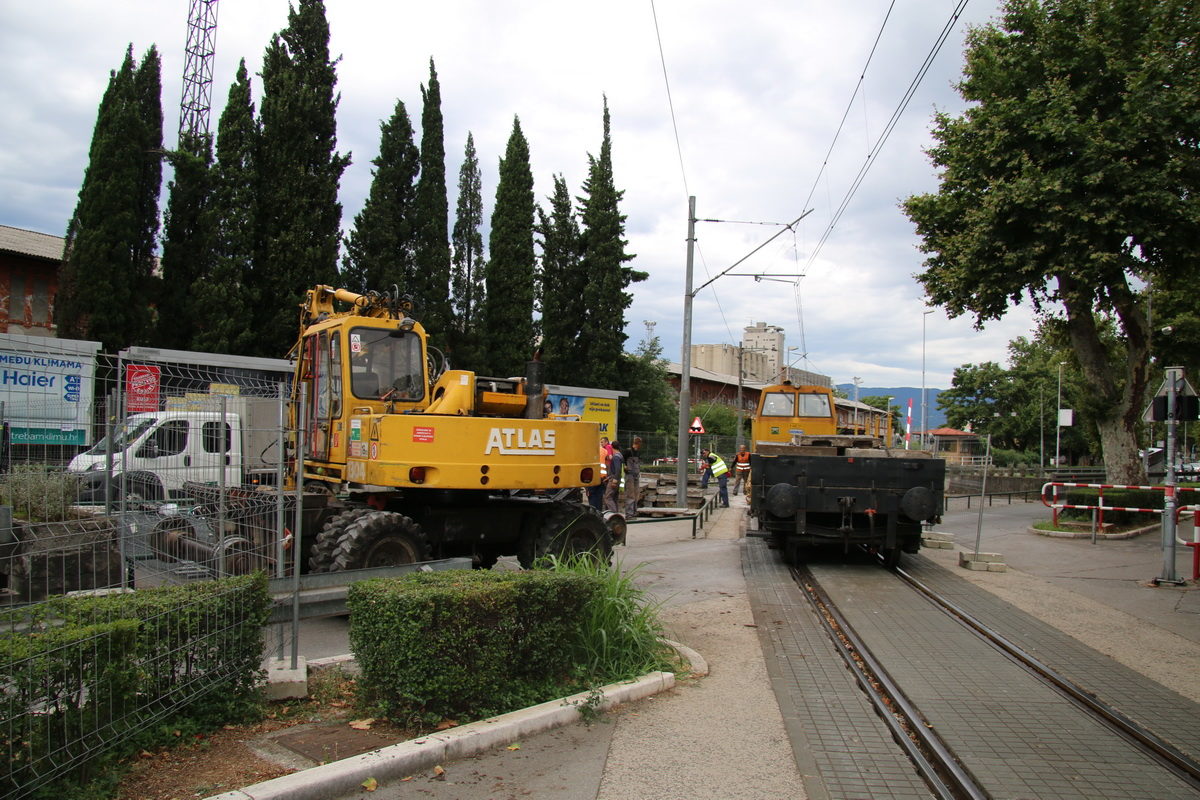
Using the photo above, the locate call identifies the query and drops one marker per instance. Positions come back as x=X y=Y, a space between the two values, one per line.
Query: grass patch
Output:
x=620 y=636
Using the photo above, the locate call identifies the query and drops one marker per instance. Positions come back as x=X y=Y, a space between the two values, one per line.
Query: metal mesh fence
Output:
x=144 y=470
x=660 y=448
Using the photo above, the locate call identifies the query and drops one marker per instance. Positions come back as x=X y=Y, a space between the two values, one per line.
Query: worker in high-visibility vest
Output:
x=596 y=493
x=741 y=471
x=616 y=475
x=712 y=463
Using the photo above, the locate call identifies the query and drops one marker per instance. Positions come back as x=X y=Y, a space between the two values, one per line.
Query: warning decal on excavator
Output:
x=422 y=434
x=374 y=450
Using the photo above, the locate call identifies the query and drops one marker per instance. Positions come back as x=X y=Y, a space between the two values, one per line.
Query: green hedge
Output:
x=63 y=690
x=85 y=679
x=467 y=643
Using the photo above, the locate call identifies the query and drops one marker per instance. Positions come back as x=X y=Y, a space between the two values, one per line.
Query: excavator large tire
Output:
x=568 y=529
x=380 y=539
x=320 y=555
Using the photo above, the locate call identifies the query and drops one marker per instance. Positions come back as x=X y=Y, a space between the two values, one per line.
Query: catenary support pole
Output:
x=685 y=366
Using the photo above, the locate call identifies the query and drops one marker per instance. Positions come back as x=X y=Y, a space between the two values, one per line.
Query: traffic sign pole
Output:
x=1173 y=383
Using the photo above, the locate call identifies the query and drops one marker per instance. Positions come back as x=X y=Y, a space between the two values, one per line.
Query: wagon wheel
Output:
x=240 y=558
x=568 y=529
x=485 y=557
x=320 y=555
x=380 y=539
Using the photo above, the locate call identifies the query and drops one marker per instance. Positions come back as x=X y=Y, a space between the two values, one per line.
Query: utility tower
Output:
x=196 y=101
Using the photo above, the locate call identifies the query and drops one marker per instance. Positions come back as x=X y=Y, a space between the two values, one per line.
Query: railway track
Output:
x=951 y=763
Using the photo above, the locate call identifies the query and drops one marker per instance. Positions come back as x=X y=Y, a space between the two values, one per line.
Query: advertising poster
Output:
x=46 y=388
x=602 y=410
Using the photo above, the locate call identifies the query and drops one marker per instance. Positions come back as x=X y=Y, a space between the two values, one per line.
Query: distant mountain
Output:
x=935 y=417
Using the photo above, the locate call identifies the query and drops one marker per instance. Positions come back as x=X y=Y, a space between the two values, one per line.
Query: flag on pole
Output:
x=908 y=425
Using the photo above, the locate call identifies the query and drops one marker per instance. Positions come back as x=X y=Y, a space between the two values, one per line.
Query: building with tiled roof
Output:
x=28 y=280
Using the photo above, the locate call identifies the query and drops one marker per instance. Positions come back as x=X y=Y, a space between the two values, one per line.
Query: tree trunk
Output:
x=1116 y=405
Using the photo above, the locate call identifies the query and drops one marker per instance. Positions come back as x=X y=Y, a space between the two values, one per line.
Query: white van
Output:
x=155 y=452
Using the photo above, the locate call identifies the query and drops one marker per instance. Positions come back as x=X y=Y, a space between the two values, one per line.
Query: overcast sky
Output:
x=759 y=91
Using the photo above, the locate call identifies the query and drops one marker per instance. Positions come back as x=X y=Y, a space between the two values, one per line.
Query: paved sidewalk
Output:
x=720 y=735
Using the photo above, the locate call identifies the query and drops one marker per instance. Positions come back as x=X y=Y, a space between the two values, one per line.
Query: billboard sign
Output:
x=590 y=407
x=46 y=388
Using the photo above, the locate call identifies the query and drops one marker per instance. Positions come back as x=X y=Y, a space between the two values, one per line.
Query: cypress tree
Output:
x=187 y=242
x=147 y=84
x=468 y=262
x=104 y=281
x=562 y=286
x=433 y=213
x=508 y=310
x=298 y=174
x=380 y=250
x=234 y=202
x=603 y=261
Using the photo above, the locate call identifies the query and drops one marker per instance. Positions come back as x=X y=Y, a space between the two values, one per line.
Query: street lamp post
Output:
x=924 y=417
x=857 y=382
x=890 y=429
x=1058 y=420
x=1041 y=427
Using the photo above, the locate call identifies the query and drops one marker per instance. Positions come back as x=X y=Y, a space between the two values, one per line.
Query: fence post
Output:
x=221 y=496
x=280 y=511
x=298 y=522
x=109 y=429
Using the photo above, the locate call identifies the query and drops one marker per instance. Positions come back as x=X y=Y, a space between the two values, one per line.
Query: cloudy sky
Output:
x=761 y=93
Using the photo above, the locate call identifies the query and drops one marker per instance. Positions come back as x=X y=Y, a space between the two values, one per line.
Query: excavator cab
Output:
x=386 y=364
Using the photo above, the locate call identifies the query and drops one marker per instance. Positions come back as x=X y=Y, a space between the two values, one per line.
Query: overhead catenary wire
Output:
x=849 y=105
x=670 y=101
x=886 y=133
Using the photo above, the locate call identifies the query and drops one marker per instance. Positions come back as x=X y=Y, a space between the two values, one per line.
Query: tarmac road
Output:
x=1115 y=572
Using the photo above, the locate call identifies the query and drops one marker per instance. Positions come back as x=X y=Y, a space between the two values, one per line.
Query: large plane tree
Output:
x=1071 y=180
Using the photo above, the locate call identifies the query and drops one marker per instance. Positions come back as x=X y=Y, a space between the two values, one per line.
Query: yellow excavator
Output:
x=419 y=461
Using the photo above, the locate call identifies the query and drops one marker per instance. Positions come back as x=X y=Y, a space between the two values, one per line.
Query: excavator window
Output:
x=386 y=364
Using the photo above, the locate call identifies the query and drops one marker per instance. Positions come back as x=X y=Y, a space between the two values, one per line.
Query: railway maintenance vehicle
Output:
x=820 y=483
x=405 y=460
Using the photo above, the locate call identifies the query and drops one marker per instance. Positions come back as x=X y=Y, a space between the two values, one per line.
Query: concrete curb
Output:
x=1130 y=534
x=699 y=667
x=406 y=758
